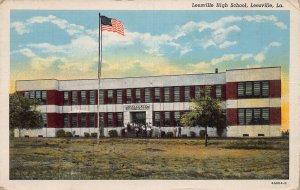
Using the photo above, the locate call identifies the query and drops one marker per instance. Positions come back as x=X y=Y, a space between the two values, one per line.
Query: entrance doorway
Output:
x=138 y=117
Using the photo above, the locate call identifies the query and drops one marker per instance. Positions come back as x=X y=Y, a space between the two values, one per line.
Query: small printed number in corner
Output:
x=279 y=182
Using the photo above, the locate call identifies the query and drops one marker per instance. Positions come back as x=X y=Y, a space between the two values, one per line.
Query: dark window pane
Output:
x=167 y=119
x=241 y=116
x=265 y=88
x=26 y=94
x=128 y=96
x=265 y=116
x=207 y=91
x=177 y=118
x=101 y=120
x=256 y=86
x=83 y=97
x=249 y=89
x=66 y=120
x=157 y=94
x=45 y=120
x=197 y=92
x=101 y=97
x=187 y=96
x=83 y=120
x=248 y=116
x=119 y=96
x=167 y=94
x=138 y=95
x=110 y=119
x=74 y=120
x=147 y=95
x=110 y=96
x=92 y=120
x=66 y=98
x=92 y=97
x=218 y=91
x=44 y=97
x=74 y=98
x=156 y=119
x=241 y=89
x=120 y=119
x=176 y=94
x=31 y=94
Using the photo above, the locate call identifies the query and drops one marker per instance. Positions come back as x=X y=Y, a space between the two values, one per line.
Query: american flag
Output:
x=112 y=25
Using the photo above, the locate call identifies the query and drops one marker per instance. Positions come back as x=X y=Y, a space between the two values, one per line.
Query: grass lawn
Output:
x=80 y=158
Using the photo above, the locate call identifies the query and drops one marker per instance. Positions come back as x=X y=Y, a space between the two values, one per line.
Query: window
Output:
x=167 y=119
x=253 y=116
x=83 y=97
x=66 y=98
x=101 y=96
x=167 y=94
x=83 y=120
x=177 y=118
x=44 y=119
x=241 y=89
x=74 y=120
x=101 y=120
x=253 y=89
x=31 y=94
x=138 y=95
x=66 y=120
x=26 y=94
x=265 y=88
x=249 y=90
x=92 y=97
x=207 y=91
x=197 y=92
x=157 y=119
x=176 y=94
x=38 y=95
x=74 y=98
x=187 y=96
x=44 y=97
x=157 y=94
x=261 y=135
x=219 y=91
x=256 y=88
x=110 y=119
x=92 y=120
x=119 y=96
x=128 y=96
x=147 y=95
x=110 y=96
x=120 y=119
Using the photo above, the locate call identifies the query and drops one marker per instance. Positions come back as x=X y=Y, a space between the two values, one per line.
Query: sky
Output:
x=64 y=44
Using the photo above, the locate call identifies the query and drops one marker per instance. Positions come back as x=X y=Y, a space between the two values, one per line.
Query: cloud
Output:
x=208 y=43
x=226 y=57
x=227 y=44
x=280 y=25
x=260 y=57
x=246 y=56
x=44 y=64
x=24 y=27
x=27 y=52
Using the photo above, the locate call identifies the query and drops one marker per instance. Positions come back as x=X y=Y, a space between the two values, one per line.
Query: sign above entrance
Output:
x=137 y=107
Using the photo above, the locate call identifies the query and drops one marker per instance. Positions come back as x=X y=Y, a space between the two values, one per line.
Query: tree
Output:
x=207 y=113
x=23 y=113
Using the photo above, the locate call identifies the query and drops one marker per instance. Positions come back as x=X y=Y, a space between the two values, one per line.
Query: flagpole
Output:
x=99 y=76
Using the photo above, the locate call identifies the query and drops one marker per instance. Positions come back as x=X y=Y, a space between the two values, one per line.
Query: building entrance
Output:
x=138 y=117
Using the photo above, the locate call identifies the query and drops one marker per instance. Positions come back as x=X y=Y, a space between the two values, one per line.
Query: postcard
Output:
x=149 y=95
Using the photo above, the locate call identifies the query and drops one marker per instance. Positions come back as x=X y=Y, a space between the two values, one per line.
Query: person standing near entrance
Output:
x=179 y=131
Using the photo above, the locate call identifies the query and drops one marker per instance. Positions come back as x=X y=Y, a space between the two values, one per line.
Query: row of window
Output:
x=254 y=116
x=167 y=118
x=143 y=95
x=40 y=95
x=253 y=89
x=111 y=119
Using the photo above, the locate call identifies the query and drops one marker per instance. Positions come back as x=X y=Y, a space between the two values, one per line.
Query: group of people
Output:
x=146 y=130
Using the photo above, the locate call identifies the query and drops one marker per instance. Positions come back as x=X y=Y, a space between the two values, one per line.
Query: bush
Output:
x=61 y=133
x=183 y=136
x=113 y=133
x=94 y=135
x=163 y=134
x=86 y=134
x=170 y=134
x=202 y=134
x=69 y=134
x=193 y=134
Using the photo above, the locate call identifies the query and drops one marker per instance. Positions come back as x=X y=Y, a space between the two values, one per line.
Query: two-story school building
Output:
x=251 y=97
